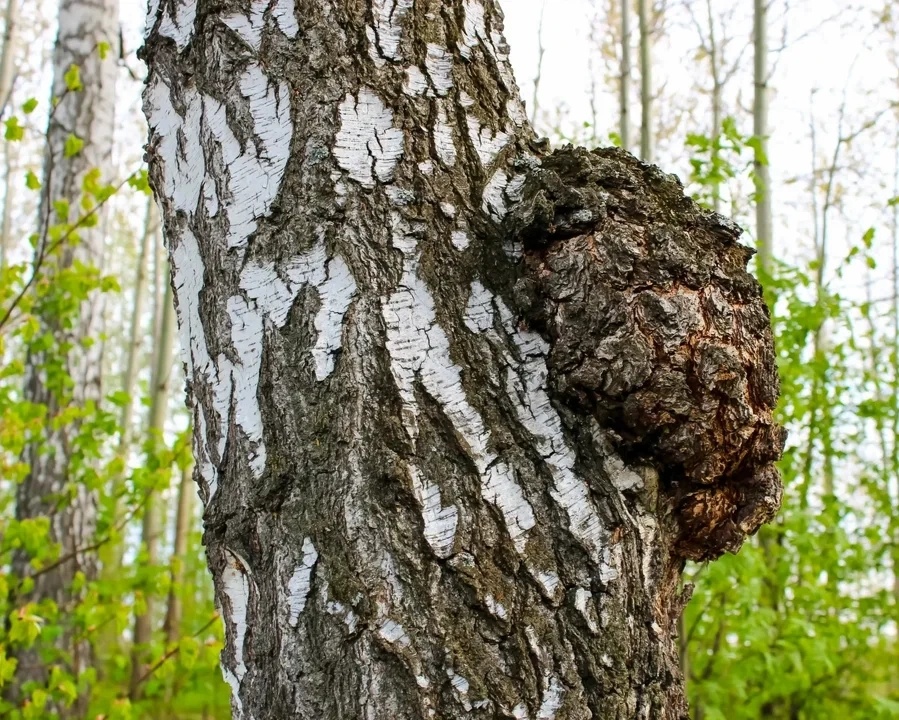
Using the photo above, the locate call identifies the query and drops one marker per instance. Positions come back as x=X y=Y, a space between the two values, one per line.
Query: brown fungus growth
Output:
x=657 y=328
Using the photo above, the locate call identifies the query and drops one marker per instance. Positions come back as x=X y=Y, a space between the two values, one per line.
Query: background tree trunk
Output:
x=624 y=87
x=86 y=113
x=763 y=219
x=647 y=149
x=462 y=406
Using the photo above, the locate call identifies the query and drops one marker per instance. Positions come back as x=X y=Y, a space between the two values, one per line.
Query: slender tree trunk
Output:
x=647 y=151
x=433 y=435
x=763 y=224
x=541 y=51
x=150 y=527
x=717 y=92
x=183 y=515
x=8 y=52
x=136 y=334
x=7 y=73
x=894 y=361
x=624 y=89
x=9 y=153
x=46 y=491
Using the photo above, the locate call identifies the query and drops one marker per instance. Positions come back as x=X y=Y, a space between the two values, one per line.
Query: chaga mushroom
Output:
x=657 y=328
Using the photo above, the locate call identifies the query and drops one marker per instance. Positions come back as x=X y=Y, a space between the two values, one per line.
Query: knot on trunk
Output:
x=657 y=329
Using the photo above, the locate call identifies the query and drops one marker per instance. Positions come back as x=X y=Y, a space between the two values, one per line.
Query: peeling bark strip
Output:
x=462 y=407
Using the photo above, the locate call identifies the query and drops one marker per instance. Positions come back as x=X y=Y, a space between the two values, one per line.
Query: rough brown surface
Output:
x=658 y=329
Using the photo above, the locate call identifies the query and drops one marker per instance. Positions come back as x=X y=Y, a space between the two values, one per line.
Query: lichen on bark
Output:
x=656 y=328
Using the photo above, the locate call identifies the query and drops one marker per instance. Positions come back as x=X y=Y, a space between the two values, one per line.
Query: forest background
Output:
x=784 y=115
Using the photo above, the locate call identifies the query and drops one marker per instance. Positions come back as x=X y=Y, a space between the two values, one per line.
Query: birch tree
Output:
x=79 y=139
x=760 y=168
x=463 y=405
x=647 y=151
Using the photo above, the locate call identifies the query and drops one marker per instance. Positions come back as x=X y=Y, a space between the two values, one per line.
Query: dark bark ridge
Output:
x=657 y=328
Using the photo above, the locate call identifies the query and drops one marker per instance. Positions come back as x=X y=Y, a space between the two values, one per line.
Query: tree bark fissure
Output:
x=407 y=514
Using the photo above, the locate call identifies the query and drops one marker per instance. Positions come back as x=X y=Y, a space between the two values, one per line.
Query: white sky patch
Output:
x=367 y=146
x=439 y=521
x=236 y=583
x=487 y=142
x=246 y=338
x=336 y=293
x=300 y=583
x=179 y=28
x=439 y=64
x=520 y=712
x=388 y=25
x=552 y=699
x=443 y=138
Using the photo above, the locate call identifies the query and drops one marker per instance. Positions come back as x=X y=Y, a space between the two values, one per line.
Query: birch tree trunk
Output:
x=88 y=115
x=647 y=149
x=760 y=166
x=624 y=87
x=151 y=522
x=462 y=405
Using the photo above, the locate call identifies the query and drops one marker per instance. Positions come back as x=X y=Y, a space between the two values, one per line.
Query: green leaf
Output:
x=31 y=181
x=72 y=78
x=103 y=50
x=14 y=131
x=29 y=106
x=61 y=207
x=73 y=145
x=868 y=237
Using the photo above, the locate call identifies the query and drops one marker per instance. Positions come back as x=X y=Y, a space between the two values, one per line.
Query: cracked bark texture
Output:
x=48 y=489
x=442 y=475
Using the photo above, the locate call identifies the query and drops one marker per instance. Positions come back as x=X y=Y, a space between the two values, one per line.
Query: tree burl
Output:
x=657 y=328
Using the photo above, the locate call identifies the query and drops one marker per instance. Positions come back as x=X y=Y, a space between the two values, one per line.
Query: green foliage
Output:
x=801 y=624
x=72 y=78
x=41 y=302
